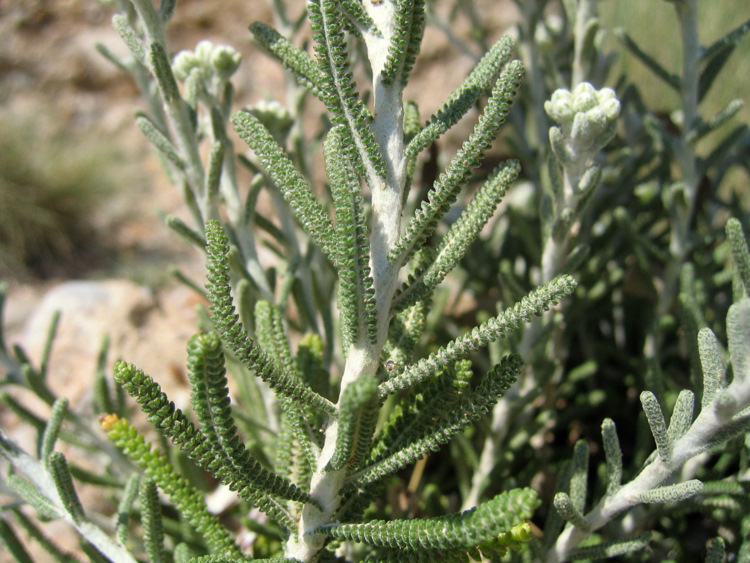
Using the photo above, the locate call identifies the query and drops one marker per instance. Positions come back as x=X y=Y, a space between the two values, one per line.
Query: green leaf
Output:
x=211 y=401
x=213 y=175
x=188 y=234
x=713 y=366
x=289 y=180
x=670 y=79
x=241 y=345
x=357 y=418
x=160 y=140
x=44 y=507
x=409 y=23
x=463 y=232
x=568 y=512
x=361 y=20
x=166 y=9
x=716 y=56
x=682 y=416
x=655 y=418
x=715 y=550
x=356 y=293
x=471 y=408
x=706 y=127
x=173 y=424
x=613 y=455
x=153 y=530
x=740 y=252
x=579 y=475
x=340 y=94
x=477 y=84
x=303 y=67
x=458 y=172
x=162 y=70
x=58 y=468
x=52 y=429
x=415 y=416
x=34 y=532
x=125 y=506
x=129 y=37
x=614 y=548
x=455 y=531
x=189 y=501
x=738 y=335
x=49 y=340
x=13 y=544
x=671 y=493
x=534 y=304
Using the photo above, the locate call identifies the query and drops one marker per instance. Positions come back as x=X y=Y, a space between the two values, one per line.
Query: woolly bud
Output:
x=587 y=117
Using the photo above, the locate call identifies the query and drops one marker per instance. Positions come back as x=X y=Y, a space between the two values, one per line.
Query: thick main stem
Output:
x=363 y=356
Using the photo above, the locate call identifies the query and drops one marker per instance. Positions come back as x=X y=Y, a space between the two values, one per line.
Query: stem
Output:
x=363 y=357
x=681 y=212
x=708 y=424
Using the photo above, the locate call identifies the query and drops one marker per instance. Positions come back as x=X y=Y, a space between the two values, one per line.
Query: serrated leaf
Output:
x=303 y=67
x=457 y=173
x=740 y=253
x=738 y=334
x=656 y=421
x=289 y=180
x=511 y=319
x=671 y=493
x=408 y=25
x=712 y=365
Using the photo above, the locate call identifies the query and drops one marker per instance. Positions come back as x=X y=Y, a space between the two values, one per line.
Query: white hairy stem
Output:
x=710 y=421
x=363 y=357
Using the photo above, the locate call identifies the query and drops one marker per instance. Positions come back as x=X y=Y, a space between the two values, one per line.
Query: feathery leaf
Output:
x=230 y=328
x=340 y=94
x=463 y=232
x=356 y=293
x=303 y=66
x=189 y=501
x=471 y=408
x=656 y=421
x=358 y=415
x=416 y=415
x=738 y=335
x=465 y=530
x=671 y=493
x=476 y=85
x=712 y=365
x=253 y=486
x=408 y=29
x=458 y=172
x=52 y=429
x=153 y=529
x=607 y=550
x=568 y=511
x=159 y=140
x=534 y=304
x=682 y=416
x=613 y=455
x=58 y=468
x=740 y=252
x=289 y=180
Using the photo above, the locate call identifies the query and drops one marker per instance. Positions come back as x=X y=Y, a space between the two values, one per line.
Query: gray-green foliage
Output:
x=349 y=364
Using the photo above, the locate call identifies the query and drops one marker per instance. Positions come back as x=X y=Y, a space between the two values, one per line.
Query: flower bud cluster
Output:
x=587 y=120
x=215 y=64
